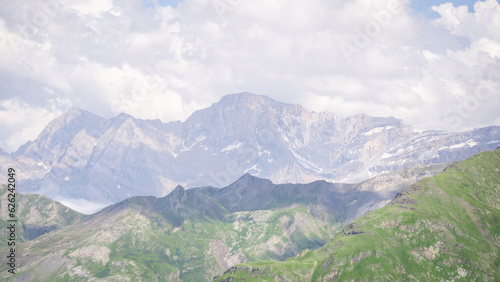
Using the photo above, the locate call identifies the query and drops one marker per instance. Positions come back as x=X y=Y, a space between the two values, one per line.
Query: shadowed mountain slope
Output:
x=445 y=227
x=195 y=234
x=36 y=215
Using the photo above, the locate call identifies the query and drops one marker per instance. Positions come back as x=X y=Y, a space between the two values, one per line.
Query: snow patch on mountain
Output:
x=377 y=130
x=469 y=143
x=215 y=146
x=253 y=170
x=232 y=147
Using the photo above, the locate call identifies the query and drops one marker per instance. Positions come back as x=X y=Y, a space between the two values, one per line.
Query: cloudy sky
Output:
x=436 y=65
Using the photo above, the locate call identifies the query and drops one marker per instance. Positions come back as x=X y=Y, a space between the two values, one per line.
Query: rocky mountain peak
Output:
x=179 y=190
x=178 y=195
x=242 y=133
x=247 y=99
x=246 y=179
x=63 y=120
x=122 y=117
x=74 y=111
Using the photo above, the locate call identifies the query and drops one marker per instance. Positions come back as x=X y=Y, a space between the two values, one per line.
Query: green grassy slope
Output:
x=129 y=244
x=196 y=234
x=36 y=215
x=445 y=227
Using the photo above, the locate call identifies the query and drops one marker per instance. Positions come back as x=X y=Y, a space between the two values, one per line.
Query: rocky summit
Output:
x=83 y=156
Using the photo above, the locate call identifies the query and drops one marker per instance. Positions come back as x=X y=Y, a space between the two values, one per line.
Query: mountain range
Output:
x=193 y=234
x=81 y=156
x=443 y=228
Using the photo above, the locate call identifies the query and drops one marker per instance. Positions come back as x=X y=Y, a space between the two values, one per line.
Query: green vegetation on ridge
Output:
x=196 y=234
x=445 y=227
x=128 y=243
x=36 y=215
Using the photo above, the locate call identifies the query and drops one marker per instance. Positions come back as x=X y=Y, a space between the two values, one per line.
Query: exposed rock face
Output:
x=441 y=228
x=82 y=156
x=195 y=234
x=36 y=214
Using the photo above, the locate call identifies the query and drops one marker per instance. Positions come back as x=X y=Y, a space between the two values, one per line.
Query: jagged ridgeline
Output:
x=445 y=227
x=36 y=215
x=81 y=156
x=198 y=233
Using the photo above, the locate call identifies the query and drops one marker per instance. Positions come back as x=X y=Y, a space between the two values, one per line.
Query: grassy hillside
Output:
x=445 y=227
x=196 y=234
x=129 y=243
x=36 y=214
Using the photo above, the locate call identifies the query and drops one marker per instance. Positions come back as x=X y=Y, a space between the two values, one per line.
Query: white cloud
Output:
x=21 y=122
x=81 y=205
x=482 y=22
x=90 y=7
x=122 y=56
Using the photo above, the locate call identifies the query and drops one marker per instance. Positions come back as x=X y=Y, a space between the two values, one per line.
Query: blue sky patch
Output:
x=423 y=7
x=150 y=3
x=171 y=3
